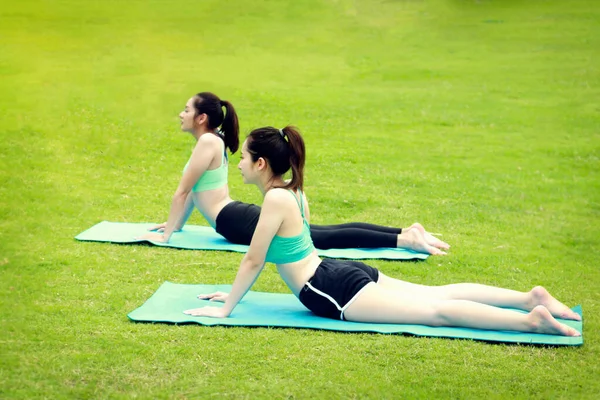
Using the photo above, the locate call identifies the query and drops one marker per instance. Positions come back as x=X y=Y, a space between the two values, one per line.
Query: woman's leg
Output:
x=490 y=295
x=344 y=237
x=358 y=225
x=360 y=234
x=377 y=304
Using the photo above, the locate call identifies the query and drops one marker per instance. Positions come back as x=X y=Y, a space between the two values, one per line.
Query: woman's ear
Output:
x=261 y=163
x=200 y=119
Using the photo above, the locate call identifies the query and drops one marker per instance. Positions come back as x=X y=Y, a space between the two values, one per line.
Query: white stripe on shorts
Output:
x=328 y=297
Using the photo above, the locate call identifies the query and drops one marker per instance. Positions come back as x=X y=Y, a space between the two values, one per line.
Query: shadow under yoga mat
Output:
x=284 y=310
x=194 y=237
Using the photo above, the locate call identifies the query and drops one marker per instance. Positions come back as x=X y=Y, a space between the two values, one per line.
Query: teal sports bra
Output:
x=283 y=250
x=213 y=178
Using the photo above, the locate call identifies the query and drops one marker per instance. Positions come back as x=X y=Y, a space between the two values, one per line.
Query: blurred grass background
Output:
x=479 y=119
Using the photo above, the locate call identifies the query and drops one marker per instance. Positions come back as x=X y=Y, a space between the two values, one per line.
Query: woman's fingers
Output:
x=159 y=227
x=217 y=296
x=215 y=312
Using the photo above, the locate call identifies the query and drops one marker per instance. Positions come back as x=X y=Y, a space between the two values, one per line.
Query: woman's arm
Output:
x=187 y=211
x=271 y=216
x=203 y=154
x=189 y=207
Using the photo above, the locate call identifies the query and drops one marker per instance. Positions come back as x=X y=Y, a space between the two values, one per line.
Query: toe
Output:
x=570 y=314
x=573 y=332
x=435 y=251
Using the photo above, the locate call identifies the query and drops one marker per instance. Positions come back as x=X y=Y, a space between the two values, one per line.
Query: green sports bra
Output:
x=283 y=250
x=213 y=178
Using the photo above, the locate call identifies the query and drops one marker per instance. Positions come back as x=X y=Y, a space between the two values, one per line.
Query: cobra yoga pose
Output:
x=351 y=290
x=214 y=125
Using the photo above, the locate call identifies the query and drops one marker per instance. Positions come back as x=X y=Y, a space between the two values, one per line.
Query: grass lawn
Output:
x=479 y=119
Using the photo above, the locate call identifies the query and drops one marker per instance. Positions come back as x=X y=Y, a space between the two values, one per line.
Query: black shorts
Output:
x=335 y=285
x=237 y=221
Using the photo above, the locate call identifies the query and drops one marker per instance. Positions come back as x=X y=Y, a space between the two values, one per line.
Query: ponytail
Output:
x=230 y=127
x=297 y=156
x=283 y=149
x=209 y=104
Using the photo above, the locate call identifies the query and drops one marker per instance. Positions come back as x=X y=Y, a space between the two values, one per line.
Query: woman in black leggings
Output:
x=213 y=123
x=237 y=221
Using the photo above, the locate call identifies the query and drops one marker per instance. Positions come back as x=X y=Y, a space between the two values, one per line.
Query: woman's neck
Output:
x=268 y=183
x=201 y=131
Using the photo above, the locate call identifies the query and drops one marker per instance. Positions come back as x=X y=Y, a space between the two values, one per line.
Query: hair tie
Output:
x=282 y=133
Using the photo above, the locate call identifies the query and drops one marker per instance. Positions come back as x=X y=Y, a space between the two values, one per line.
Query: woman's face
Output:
x=247 y=167
x=187 y=116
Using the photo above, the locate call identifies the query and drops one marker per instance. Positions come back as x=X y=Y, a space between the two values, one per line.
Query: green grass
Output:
x=479 y=119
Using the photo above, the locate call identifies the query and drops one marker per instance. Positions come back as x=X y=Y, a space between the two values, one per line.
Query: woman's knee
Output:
x=439 y=314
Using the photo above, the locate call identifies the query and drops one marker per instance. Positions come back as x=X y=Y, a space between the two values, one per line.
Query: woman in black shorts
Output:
x=214 y=125
x=350 y=290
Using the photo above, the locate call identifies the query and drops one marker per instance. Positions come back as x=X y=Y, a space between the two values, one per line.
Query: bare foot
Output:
x=429 y=238
x=540 y=296
x=413 y=240
x=543 y=322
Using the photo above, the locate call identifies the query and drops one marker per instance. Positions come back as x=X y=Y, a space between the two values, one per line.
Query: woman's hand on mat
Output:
x=159 y=227
x=216 y=296
x=153 y=237
x=214 y=312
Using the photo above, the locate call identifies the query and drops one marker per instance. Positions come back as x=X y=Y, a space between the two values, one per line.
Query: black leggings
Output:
x=237 y=221
x=353 y=234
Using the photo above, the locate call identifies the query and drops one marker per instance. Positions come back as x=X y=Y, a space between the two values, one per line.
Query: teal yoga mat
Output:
x=285 y=311
x=205 y=238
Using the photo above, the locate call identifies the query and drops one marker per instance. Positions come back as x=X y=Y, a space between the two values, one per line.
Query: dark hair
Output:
x=283 y=149
x=209 y=104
